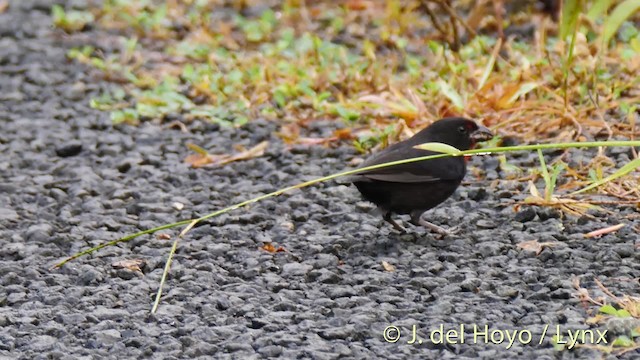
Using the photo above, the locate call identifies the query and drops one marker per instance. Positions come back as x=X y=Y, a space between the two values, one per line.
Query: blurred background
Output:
x=533 y=70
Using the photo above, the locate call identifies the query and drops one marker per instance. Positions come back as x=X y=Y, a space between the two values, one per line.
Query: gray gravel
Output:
x=69 y=180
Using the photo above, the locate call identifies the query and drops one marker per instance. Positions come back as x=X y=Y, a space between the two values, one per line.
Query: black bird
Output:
x=416 y=187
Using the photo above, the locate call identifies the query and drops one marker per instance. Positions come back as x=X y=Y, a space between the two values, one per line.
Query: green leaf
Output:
x=57 y=12
x=451 y=94
x=631 y=166
x=438 y=147
x=347 y=114
x=129 y=116
x=623 y=313
x=608 y=309
x=623 y=341
x=280 y=98
x=598 y=8
x=510 y=169
x=522 y=90
x=558 y=346
x=490 y=64
x=622 y=12
x=571 y=10
x=548 y=185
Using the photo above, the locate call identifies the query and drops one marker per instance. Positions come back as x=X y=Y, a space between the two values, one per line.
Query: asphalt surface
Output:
x=69 y=179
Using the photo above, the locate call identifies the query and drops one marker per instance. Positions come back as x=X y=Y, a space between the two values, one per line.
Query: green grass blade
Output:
x=122 y=239
x=439 y=147
x=631 y=166
x=570 y=13
x=351 y=172
x=165 y=273
x=598 y=8
x=548 y=187
x=622 y=12
x=492 y=61
x=192 y=222
x=522 y=90
x=451 y=94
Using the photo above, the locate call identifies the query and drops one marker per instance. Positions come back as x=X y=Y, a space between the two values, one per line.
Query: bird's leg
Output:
x=387 y=218
x=416 y=219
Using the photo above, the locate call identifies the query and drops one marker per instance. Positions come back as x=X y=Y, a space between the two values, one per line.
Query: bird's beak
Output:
x=482 y=134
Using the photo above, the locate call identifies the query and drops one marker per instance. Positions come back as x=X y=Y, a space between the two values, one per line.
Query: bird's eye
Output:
x=462 y=129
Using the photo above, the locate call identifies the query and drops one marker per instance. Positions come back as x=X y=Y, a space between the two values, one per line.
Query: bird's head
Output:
x=458 y=132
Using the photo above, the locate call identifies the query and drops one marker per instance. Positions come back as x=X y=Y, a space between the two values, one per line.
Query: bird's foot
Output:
x=442 y=232
x=387 y=218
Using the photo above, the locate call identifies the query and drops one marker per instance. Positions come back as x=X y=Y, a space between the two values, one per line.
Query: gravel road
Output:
x=69 y=179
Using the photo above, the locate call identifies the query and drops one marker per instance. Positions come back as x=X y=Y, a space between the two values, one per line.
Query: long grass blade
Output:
x=451 y=94
x=627 y=168
x=492 y=61
x=432 y=146
x=622 y=12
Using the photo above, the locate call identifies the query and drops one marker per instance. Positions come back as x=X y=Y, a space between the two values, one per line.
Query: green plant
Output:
x=70 y=21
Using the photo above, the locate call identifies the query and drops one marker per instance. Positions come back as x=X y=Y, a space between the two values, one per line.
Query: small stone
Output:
x=338 y=333
x=270 y=351
x=525 y=215
x=76 y=91
x=507 y=291
x=8 y=214
x=530 y=276
x=583 y=220
x=299 y=215
x=109 y=336
x=486 y=224
x=72 y=148
x=477 y=194
x=343 y=291
x=470 y=284
x=39 y=233
x=548 y=213
x=295 y=269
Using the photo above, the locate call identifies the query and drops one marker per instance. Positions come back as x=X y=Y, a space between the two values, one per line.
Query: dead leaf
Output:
x=536 y=246
x=4 y=5
x=163 y=236
x=343 y=134
x=268 y=247
x=312 y=141
x=513 y=92
x=132 y=264
x=203 y=158
x=570 y=206
x=597 y=319
x=388 y=267
x=358 y=5
x=289 y=133
x=478 y=12
x=395 y=103
x=272 y=249
x=607 y=230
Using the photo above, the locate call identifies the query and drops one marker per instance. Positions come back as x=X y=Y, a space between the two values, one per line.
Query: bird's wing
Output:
x=403 y=177
x=415 y=172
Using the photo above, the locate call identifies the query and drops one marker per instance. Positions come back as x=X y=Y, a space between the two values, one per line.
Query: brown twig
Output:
x=455 y=46
x=434 y=19
x=498 y=8
x=604 y=231
x=599 y=112
x=445 y=5
x=606 y=291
